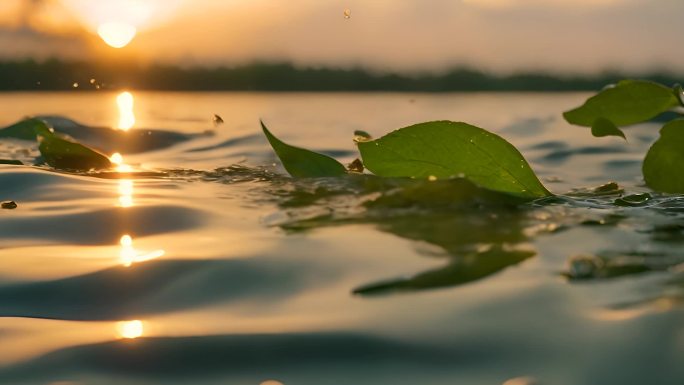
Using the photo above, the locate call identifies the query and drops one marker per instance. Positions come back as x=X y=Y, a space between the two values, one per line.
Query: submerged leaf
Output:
x=303 y=163
x=629 y=102
x=63 y=154
x=459 y=272
x=633 y=200
x=27 y=129
x=664 y=161
x=604 y=127
x=445 y=149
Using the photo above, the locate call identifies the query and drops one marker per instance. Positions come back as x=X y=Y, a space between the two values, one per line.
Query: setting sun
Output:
x=117 y=35
x=119 y=22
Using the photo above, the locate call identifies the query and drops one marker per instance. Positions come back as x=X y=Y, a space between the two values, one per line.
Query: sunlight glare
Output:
x=129 y=255
x=130 y=329
x=126 y=116
x=117 y=35
x=118 y=22
x=125 y=193
x=118 y=160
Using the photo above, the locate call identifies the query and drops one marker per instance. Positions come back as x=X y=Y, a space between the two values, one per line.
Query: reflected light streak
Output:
x=130 y=329
x=129 y=255
x=118 y=160
x=125 y=102
x=125 y=193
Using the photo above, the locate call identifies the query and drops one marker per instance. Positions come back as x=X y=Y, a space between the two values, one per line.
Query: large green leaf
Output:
x=27 y=129
x=629 y=102
x=445 y=149
x=63 y=154
x=303 y=163
x=664 y=161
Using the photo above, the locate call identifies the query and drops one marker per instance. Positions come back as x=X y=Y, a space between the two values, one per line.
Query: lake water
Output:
x=208 y=265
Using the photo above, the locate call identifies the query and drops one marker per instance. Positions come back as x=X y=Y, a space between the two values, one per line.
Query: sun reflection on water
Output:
x=118 y=160
x=128 y=255
x=125 y=102
x=125 y=193
x=130 y=329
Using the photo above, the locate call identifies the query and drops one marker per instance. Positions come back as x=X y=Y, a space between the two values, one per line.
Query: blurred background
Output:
x=427 y=45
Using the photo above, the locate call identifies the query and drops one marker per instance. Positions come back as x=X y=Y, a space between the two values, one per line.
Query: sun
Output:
x=117 y=35
x=118 y=22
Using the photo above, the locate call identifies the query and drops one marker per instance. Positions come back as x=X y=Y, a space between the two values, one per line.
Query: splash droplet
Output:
x=347 y=13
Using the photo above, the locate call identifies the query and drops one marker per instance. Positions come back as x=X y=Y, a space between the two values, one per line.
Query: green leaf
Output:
x=629 y=102
x=27 y=129
x=64 y=154
x=445 y=149
x=664 y=161
x=303 y=163
x=604 y=127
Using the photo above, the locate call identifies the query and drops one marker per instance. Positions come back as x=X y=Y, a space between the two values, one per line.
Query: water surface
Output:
x=208 y=265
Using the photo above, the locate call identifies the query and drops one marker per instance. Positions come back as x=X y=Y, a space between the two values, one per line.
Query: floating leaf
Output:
x=664 y=161
x=303 y=163
x=445 y=149
x=604 y=127
x=64 y=154
x=629 y=102
x=27 y=129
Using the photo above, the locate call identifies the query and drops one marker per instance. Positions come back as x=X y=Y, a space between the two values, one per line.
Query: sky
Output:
x=502 y=36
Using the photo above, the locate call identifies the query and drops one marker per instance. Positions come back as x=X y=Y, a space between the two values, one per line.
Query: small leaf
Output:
x=303 y=163
x=355 y=166
x=63 y=154
x=679 y=93
x=445 y=149
x=629 y=102
x=27 y=129
x=604 y=127
x=664 y=161
x=362 y=136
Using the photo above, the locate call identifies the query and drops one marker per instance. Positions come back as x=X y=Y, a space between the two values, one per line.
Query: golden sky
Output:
x=413 y=35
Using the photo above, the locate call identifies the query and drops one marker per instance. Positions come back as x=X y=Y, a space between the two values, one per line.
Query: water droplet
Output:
x=432 y=178
x=75 y=85
x=347 y=13
x=92 y=81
